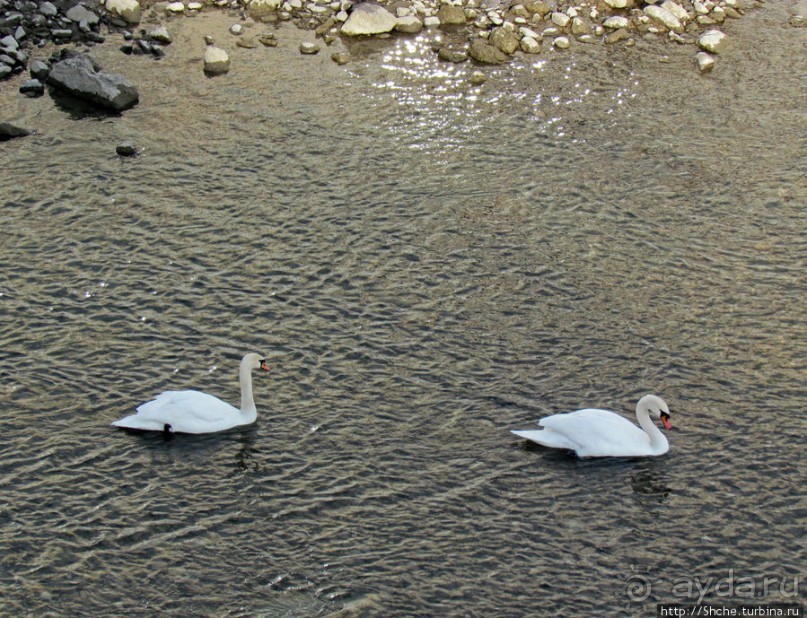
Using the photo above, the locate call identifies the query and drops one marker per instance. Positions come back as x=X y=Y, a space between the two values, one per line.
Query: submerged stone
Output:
x=79 y=77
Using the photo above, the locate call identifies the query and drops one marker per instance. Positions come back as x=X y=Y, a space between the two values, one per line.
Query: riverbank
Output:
x=475 y=32
x=484 y=31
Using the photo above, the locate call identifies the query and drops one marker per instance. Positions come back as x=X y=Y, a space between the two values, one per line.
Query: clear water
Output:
x=428 y=265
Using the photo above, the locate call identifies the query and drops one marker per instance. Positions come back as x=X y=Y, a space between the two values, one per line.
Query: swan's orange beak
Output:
x=264 y=366
x=665 y=420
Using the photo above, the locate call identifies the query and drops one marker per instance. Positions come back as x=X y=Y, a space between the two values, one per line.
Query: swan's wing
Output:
x=184 y=411
x=546 y=437
x=599 y=433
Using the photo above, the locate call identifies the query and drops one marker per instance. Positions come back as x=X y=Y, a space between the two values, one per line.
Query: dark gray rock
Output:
x=11 y=21
x=78 y=77
x=5 y=70
x=32 y=88
x=38 y=21
x=48 y=10
x=62 y=33
x=126 y=149
x=144 y=45
x=39 y=70
x=9 y=42
x=10 y=131
x=80 y=13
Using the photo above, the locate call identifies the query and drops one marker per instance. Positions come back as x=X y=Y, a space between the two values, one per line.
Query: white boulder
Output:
x=664 y=17
x=127 y=10
x=561 y=42
x=712 y=41
x=408 y=24
x=615 y=22
x=368 y=18
x=560 y=19
x=216 y=60
x=530 y=45
x=676 y=9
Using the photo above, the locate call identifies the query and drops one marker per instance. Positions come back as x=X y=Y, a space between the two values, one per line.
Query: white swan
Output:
x=600 y=433
x=196 y=412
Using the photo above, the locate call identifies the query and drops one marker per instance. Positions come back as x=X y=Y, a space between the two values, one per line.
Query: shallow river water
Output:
x=427 y=265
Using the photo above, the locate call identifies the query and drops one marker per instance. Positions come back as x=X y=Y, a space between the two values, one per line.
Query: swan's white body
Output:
x=600 y=433
x=196 y=412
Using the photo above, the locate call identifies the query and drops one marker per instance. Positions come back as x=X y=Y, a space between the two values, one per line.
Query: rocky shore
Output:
x=482 y=31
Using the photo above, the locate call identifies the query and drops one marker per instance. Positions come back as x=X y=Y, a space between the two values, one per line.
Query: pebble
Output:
x=676 y=9
x=32 y=88
x=408 y=24
x=79 y=13
x=161 y=35
x=530 y=45
x=712 y=41
x=617 y=35
x=664 y=17
x=453 y=54
x=561 y=42
x=705 y=62
x=39 y=70
x=615 y=22
x=561 y=20
x=126 y=149
x=308 y=48
x=478 y=78
x=48 y=9
x=217 y=62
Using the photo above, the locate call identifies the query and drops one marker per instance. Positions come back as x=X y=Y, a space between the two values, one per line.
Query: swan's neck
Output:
x=248 y=409
x=658 y=443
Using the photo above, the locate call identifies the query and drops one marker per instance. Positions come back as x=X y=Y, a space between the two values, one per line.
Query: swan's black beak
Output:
x=264 y=366
x=665 y=420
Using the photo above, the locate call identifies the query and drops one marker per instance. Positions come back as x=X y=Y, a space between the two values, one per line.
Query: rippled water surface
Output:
x=427 y=265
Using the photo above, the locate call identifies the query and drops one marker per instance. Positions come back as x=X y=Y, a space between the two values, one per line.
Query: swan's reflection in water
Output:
x=648 y=476
x=649 y=481
x=245 y=458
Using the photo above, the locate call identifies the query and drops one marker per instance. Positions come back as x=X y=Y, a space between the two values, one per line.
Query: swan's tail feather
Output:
x=134 y=422
x=546 y=437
